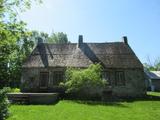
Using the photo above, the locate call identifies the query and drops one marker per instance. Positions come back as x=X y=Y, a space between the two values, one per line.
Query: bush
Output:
x=14 y=90
x=4 y=104
x=85 y=83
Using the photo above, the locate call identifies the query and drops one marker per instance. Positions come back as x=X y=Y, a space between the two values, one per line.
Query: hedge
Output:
x=4 y=104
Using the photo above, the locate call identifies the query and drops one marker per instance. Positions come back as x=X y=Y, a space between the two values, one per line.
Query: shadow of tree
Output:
x=51 y=103
x=145 y=98
x=114 y=104
x=117 y=102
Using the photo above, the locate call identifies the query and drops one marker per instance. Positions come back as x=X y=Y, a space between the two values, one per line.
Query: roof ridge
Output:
x=84 y=43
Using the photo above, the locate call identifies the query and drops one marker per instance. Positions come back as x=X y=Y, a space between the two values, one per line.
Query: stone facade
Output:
x=48 y=62
x=134 y=84
x=30 y=81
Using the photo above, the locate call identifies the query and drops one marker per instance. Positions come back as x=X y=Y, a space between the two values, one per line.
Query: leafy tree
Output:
x=59 y=37
x=13 y=40
x=4 y=104
x=85 y=83
x=36 y=34
x=152 y=66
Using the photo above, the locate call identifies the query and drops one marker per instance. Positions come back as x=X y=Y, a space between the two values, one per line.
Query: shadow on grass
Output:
x=115 y=101
x=114 y=104
x=35 y=103
x=43 y=103
x=145 y=98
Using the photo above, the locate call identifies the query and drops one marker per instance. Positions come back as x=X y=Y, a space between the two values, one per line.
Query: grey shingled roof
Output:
x=110 y=55
x=153 y=74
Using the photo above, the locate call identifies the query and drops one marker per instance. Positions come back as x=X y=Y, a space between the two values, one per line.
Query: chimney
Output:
x=40 y=40
x=80 y=40
x=125 y=40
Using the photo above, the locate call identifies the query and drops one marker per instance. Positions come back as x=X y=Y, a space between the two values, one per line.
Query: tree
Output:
x=4 y=104
x=36 y=34
x=155 y=66
x=13 y=34
x=59 y=37
x=85 y=83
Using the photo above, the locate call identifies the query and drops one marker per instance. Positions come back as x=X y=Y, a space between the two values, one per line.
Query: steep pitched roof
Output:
x=110 y=55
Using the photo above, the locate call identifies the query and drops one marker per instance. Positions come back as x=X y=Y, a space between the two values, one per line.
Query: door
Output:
x=44 y=78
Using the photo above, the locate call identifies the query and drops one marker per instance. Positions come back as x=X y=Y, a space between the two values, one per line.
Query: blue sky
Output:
x=102 y=21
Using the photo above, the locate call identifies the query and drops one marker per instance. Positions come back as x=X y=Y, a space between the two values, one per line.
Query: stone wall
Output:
x=30 y=80
x=134 y=81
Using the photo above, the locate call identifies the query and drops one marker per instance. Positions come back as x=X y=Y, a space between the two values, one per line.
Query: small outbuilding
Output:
x=153 y=80
x=44 y=69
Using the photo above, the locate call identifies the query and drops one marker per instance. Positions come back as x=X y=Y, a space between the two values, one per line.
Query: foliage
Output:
x=155 y=66
x=4 y=104
x=36 y=34
x=14 y=90
x=85 y=83
x=75 y=110
x=16 y=42
x=9 y=51
x=9 y=8
x=14 y=45
x=59 y=37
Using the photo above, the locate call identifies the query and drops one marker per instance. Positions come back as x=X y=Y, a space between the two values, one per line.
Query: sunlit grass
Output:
x=72 y=110
x=154 y=93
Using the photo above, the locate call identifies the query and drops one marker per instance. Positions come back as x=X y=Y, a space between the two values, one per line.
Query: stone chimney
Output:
x=40 y=40
x=125 y=40
x=80 y=40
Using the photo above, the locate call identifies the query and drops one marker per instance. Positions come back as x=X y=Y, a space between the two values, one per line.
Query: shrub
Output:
x=14 y=90
x=85 y=83
x=4 y=104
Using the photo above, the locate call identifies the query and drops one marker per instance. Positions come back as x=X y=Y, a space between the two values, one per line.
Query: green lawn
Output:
x=72 y=110
x=154 y=93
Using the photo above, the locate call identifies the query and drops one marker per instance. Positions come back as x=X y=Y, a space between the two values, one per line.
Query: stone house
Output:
x=44 y=69
x=153 y=80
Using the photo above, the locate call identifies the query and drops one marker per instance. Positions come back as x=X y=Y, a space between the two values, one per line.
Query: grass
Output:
x=77 y=110
x=154 y=93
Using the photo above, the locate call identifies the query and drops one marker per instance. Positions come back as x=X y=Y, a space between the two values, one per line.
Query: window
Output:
x=57 y=77
x=106 y=76
x=120 y=79
x=44 y=77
